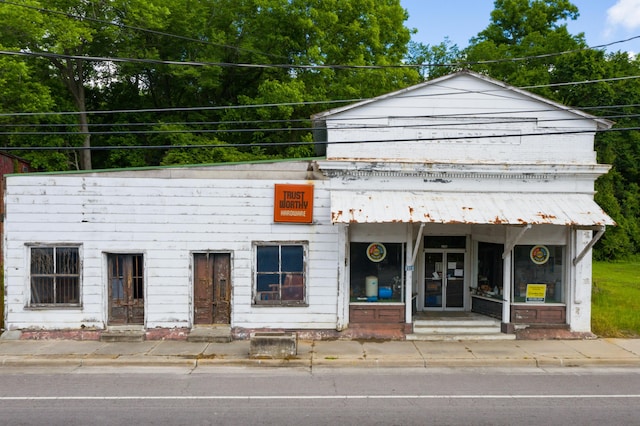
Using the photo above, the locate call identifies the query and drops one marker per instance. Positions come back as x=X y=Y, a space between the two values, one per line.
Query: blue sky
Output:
x=602 y=21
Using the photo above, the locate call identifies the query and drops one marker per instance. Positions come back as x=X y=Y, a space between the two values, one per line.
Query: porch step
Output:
x=448 y=337
x=470 y=327
x=123 y=334
x=213 y=334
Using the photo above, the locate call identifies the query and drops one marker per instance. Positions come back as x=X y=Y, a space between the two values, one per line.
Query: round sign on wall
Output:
x=376 y=252
x=539 y=255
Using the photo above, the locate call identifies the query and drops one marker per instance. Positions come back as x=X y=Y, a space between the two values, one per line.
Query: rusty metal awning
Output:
x=466 y=208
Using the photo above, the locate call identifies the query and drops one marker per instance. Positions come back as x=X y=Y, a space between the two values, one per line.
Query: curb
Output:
x=381 y=362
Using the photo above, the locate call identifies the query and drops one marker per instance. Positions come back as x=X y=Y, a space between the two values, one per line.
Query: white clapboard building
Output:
x=460 y=197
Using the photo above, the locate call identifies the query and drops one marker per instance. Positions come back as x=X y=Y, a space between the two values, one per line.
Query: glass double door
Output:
x=444 y=279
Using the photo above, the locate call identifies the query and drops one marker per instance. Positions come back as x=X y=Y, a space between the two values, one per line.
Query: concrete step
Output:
x=123 y=334
x=458 y=322
x=214 y=334
x=456 y=330
x=459 y=336
x=463 y=327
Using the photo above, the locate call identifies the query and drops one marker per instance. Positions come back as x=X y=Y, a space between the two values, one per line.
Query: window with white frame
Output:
x=280 y=273
x=55 y=276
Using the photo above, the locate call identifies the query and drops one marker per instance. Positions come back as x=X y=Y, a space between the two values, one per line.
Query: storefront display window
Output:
x=377 y=272
x=490 y=270
x=538 y=274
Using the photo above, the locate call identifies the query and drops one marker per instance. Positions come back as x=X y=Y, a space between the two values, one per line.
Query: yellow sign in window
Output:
x=536 y=292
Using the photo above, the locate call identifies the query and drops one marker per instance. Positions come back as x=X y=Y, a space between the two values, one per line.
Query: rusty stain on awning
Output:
x=466 y=208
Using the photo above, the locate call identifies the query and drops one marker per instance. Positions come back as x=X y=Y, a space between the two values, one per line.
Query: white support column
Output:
x=408 y=275
x=506 y=288
x=579 y=316
x=342 y=320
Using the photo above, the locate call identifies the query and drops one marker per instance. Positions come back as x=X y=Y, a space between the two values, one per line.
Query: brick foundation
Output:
x=60 y=334
x=151 y=334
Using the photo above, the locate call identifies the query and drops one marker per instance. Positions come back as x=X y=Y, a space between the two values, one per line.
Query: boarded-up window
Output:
x=280 y=274
x=55 y=276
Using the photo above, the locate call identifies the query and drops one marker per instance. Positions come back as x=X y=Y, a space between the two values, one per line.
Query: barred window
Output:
x=55 y=276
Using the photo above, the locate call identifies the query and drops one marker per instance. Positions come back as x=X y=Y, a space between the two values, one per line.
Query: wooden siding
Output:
x=465 y=120
x=166 y=220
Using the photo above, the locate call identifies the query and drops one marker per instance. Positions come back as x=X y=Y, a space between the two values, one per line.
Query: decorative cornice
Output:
x=446 y=171
x=439 y=175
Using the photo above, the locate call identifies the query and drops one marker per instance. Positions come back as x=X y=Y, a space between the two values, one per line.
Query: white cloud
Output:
x=625 y=13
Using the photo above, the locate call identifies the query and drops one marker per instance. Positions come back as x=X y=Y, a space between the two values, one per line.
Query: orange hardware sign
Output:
x=293 y=203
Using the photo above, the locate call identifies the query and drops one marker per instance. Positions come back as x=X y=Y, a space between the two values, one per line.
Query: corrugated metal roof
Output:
x=466 y=208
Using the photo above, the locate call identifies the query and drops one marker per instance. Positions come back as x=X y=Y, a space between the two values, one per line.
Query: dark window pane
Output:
x=42 y=260
x=293 y=287
x=66 y=260
x=55 y=275
x=138 y=281
x=292 y=258
x=280 y=275
x=265 y=282
x=67 y=290
x=268 y=259
x=117 y=289
x=41 y=290
x=445 y=242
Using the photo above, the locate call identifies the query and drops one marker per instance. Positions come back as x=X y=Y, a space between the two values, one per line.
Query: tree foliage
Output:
x=534 y=31
x=191 y=59
x=200 y=81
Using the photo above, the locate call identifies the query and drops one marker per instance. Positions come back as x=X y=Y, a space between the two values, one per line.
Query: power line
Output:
x=278 y=66
x=423 y=125
x=177 y=109
x=303 y=143
x=303 y=103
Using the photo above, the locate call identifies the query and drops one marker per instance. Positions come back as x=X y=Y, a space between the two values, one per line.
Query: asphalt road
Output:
x=286 y=396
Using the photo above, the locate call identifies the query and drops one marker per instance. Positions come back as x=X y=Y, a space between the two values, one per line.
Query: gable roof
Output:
x=600 y=122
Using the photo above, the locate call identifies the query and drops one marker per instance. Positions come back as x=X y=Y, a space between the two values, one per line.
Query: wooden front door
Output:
x=212 y=288
x=126 y=289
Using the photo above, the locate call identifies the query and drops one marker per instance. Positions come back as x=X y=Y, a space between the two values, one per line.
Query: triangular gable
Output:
x=446 y=83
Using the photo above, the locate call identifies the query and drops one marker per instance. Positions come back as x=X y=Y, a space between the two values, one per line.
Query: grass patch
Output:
x=615 y=303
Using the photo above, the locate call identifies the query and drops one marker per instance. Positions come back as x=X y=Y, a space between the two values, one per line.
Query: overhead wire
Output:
x=303 y=103
x=194 y=63
x=299 y=143
x=360 y=126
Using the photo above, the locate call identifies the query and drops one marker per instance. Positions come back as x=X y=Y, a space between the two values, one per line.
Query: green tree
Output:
x=22 y=100
x=264 y=49
x=65 y=35
x=524 y=37
x=530 y=29
x=437 y=60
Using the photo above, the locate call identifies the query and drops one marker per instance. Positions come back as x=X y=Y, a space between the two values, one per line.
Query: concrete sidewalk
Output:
x=337 y=353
